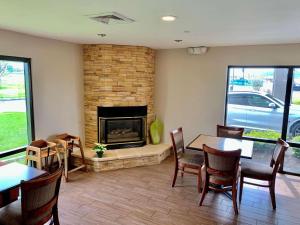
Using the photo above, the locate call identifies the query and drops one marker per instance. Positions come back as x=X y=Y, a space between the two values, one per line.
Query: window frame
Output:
x=289 y=86
x=29 y=102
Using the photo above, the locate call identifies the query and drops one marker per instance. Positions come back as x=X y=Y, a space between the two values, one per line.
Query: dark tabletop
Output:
x=225 y=144
x=12 y=174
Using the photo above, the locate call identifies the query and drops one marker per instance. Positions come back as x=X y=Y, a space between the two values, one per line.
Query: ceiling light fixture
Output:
x=168 y=18
x=101 y=35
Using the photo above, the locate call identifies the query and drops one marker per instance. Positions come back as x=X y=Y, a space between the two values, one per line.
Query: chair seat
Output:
x=193 y=159
x=44 y=154
x=11 y=214
x=256 y=170
x=221 y=180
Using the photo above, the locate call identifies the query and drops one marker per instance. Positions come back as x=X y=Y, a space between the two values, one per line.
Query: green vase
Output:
x=156 y=129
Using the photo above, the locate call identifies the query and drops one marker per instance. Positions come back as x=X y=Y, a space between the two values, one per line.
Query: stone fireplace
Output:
x=118 y=107
x=116 y=76
x=122 y=127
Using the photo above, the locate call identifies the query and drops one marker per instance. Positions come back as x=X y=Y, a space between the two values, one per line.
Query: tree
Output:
x=257 y=84
x=3 y=70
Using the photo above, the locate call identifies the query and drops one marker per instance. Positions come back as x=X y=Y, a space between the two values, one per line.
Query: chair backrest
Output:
x=71 y=140
x=278 y=155
x=177 y=142
x=221 y=163
x=39 y=198
x=230 y=132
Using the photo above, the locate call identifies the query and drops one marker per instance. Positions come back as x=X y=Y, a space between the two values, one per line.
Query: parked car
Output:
x=260 y=111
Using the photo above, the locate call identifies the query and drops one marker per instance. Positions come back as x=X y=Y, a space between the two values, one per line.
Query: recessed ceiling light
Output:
x=168 y=18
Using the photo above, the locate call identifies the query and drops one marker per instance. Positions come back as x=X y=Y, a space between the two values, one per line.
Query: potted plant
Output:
x=99 y=149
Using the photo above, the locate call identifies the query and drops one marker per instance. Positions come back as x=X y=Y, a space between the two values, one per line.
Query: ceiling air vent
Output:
x=111 y=18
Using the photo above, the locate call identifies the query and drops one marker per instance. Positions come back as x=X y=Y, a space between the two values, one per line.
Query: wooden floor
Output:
x=144 y=195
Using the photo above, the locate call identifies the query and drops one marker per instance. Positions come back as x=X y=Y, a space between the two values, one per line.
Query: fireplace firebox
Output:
x=122 y=127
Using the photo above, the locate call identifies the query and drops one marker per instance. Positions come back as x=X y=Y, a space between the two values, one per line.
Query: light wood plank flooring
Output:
x=143 y=195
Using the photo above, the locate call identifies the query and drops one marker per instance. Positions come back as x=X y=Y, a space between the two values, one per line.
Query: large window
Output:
x=266 y=102
x=16 y=113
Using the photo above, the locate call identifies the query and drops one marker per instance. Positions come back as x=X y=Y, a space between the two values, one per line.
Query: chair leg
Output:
x=182 y=171
x=234 y=198
x=241 y=188
x=272 y=193
x=55 y=216
x=175 y=176
x=199 y=181
x=66 y=165
x=204 y=191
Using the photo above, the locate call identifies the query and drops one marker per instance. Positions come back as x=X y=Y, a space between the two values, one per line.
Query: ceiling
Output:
x=209 y=22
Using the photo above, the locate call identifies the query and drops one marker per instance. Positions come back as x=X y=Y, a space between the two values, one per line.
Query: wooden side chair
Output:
x=38 y=202
x=185 y=160
x=221 y=171
x=263 y=172
x=230 y=132
x=39 y=151
x=66 y=144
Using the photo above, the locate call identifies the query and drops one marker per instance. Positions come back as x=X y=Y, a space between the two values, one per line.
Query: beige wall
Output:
x=57 y=79
x=190 y=89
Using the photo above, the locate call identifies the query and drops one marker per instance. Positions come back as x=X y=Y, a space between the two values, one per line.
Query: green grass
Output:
x=263 y=134
x=296 y=101
x=13 y=130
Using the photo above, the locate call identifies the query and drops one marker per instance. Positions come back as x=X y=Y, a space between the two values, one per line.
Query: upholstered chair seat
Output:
x=254 y=170
x=192 y=159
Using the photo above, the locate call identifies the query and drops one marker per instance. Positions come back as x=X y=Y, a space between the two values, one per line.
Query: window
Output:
x=237 y=99
x=16 y=110
x=265 y=100
x=259 y=101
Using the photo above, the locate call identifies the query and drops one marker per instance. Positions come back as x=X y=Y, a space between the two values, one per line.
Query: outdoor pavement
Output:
x=12 y=106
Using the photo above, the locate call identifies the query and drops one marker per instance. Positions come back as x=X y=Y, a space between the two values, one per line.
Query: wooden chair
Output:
x=185 y=160
x=40 y=150
x=221 y=170
x=66 y=144
x=38 y=202
x=230 y=132
x=263 y=172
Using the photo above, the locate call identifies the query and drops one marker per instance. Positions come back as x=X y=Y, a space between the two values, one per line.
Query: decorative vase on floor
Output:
x=156 y=129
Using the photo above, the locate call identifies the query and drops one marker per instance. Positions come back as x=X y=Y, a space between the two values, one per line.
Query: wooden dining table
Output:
x=223 y=144
x=11 y=176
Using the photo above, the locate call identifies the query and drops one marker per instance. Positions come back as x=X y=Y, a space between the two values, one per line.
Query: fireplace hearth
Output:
x=122 y=127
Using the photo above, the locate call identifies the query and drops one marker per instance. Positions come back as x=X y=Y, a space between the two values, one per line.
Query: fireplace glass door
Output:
x=121 y=130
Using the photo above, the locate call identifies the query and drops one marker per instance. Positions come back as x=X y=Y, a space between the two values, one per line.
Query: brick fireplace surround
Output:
x=116 y=75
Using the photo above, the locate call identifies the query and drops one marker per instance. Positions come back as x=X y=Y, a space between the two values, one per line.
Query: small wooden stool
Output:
x=65 y=145
x=39 y=150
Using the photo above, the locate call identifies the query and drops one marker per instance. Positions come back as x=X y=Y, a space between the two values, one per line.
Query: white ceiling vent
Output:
x=111 y=18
